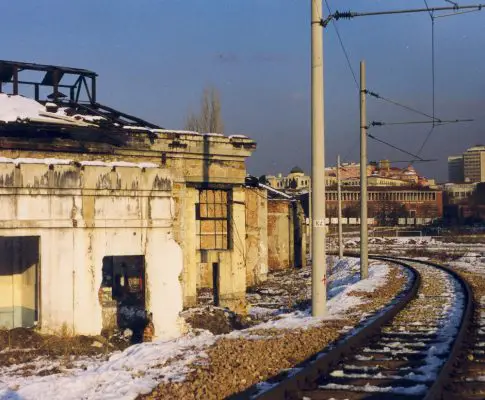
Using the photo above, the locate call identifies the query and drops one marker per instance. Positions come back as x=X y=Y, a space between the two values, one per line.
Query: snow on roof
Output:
x=212 y=134
x=16 y=108
x=100 y=163
x=278 y=192
x=92 y=163
x=238 y=137
x=13 y=107
x=136 y=128
x=182 y=132
x=46 y=161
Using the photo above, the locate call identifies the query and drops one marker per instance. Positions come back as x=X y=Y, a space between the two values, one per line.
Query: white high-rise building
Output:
x=474 y=164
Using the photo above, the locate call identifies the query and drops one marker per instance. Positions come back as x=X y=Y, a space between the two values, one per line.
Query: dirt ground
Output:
x=217 y=320
x=22 y=345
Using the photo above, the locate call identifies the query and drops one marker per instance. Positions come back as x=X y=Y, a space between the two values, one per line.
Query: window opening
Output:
x=214 y=219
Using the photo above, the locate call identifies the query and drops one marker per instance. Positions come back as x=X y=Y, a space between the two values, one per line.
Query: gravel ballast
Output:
x=235 y=363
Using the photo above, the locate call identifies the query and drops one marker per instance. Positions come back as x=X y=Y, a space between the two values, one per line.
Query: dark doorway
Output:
x=123 y=294
x=215 y=283
x=19 y=281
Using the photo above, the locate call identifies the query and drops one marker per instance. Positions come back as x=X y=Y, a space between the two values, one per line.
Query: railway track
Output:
x=407 y=352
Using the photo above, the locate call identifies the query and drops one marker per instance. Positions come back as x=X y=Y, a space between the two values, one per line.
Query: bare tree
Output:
x=209 y=118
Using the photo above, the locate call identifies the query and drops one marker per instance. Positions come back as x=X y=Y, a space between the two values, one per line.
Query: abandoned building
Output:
x=278 y=225
x=104 y=216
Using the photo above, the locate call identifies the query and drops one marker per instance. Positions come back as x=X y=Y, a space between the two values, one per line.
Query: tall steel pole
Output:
x=363 y=176
x=339 y=208
x=319 y=273
x=310 y=218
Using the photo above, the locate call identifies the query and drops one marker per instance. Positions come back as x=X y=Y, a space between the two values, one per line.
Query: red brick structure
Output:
x=286 y=239
x=387 y=204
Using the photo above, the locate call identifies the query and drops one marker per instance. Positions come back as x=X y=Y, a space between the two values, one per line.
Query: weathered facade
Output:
x=210 y=213
x=256 y=235
x=172 y=203
x=286 y=234
x=59 y=223
x=105 y=217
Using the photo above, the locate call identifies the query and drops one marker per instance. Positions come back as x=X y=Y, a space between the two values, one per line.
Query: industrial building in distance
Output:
x=396 y=196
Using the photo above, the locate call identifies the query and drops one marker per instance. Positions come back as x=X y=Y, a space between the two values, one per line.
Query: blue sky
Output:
x=154 y=58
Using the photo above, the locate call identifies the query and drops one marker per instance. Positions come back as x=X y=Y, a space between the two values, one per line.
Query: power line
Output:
x=452 y=2
x=394 y=147
x=455 y=13
x=431 y=15
x=380 y=123
x=378 y=96
x=426 y=140
x=427 y=8
x=412 y=161
x=350 y=14
x=343 y=47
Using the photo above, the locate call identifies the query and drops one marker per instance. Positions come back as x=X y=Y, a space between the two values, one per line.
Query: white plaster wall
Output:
x=77 y=230
x=163 y=267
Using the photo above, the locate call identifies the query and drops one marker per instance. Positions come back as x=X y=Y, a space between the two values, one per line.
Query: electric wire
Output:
x=452 y=2
x=430 y=132
x=455 y=13
x=343 y=47
x=380 y=123
x=349 y=64
x=378 y=96
x=394 y=147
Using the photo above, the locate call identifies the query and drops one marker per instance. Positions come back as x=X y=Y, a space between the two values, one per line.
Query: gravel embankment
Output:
x=235 y=364
x=469 y=376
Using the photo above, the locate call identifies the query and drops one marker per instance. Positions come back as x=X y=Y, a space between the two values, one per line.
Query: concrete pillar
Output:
x=185 y=234
x=232 y=267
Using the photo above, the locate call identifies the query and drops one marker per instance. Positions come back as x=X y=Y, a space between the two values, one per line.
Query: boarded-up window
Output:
x=213 y=216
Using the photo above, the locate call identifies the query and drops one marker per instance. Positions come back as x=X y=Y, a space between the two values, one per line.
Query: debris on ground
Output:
x=216 y=320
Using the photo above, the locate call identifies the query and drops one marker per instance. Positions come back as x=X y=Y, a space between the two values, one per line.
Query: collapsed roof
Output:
x=16 y=75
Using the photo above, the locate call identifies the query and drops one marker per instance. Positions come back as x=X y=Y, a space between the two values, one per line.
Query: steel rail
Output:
x=321 y=363
x=438 y=389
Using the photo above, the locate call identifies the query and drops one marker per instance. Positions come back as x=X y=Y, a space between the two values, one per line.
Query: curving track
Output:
x=406 y=353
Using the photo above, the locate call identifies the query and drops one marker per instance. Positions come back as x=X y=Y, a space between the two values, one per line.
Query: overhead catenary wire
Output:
x=453 y=2
x=455 y=13
x=346 y=54
x=435 y=121
x=378 y=96
x=394 y=147
x=350 y=14
x=412 y=161
x=380 y=123
x=349 y=64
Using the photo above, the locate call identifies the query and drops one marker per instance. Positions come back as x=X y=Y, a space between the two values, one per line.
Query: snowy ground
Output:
x=138 y=369
x=445 y=248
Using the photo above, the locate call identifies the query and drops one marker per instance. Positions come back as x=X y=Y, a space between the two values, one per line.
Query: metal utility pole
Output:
x=339 y=210
x=363 y=176
x=319 y=270
x=310 y=230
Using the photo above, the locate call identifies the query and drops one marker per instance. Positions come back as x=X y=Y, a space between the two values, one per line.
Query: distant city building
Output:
x=464 y=202
x=474 y=164
x=455 y=169
x=457 y=193
x=380 y=174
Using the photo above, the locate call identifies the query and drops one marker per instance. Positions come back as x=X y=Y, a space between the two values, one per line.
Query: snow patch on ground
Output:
x=142 y=367
x=470 y=261
x=137 y=370
x=368 y=388
x=344 y=279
